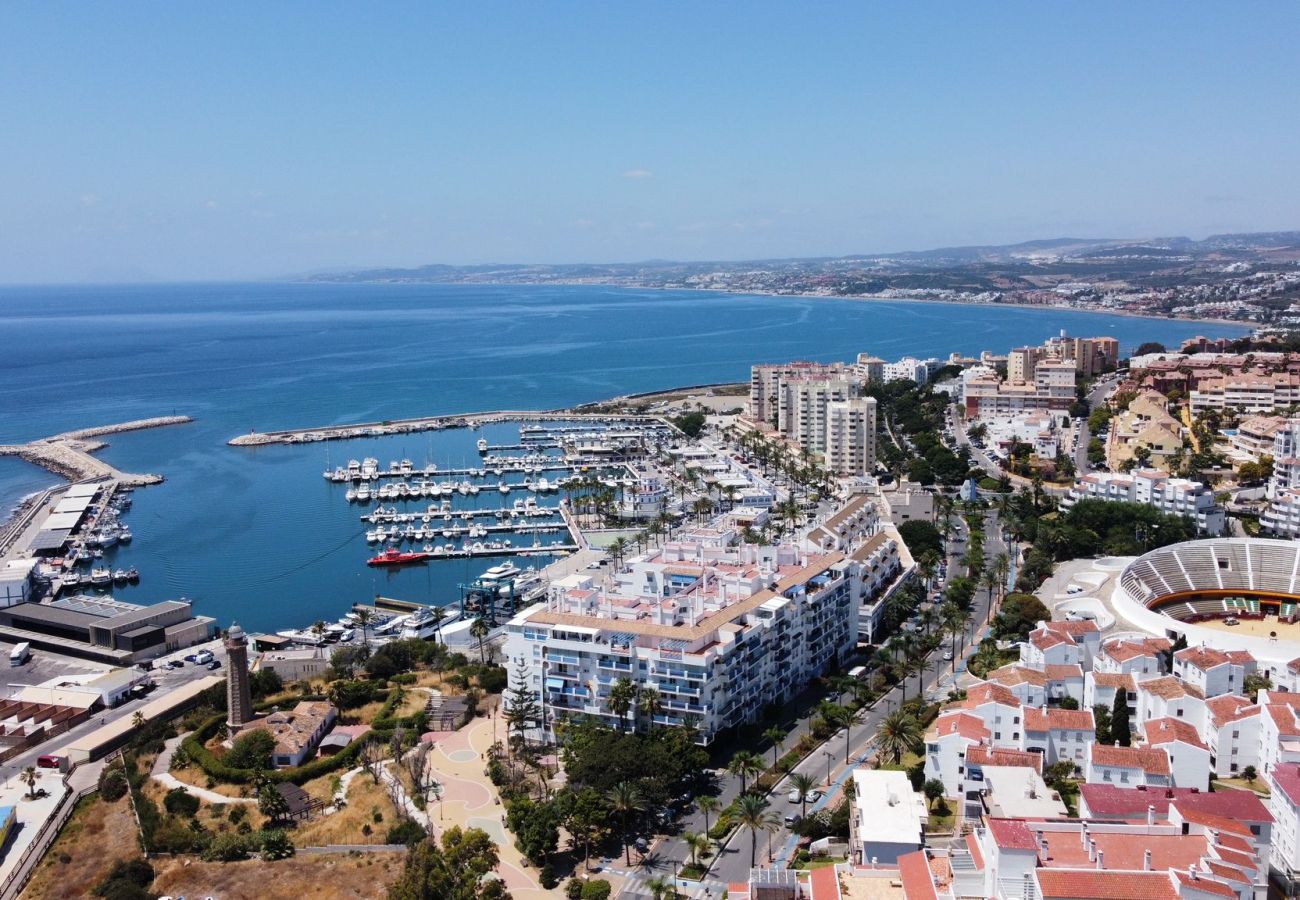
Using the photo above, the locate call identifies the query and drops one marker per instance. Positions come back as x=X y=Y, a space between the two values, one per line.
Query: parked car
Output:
x=947 y=656
x=214 y=664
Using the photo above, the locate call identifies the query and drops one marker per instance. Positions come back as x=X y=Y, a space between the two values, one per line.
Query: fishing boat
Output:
x=120 y=577
x=395 y=557
x=133 y=575
x=101 y=576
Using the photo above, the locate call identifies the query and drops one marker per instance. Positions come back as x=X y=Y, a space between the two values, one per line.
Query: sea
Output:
x=257 y=535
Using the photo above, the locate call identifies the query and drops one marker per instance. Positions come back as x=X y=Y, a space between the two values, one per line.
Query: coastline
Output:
x=1247 y=327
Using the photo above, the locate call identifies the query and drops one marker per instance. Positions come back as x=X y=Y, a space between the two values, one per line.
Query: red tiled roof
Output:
x=1046 y=640
x=1057 y=719
x=1068 y=884
x=988 y=692
x=1114 y=680
x=1287 y=777
x=1061 y=673
x=1152 y=760
x=1236 y=857
x=824 y=884
x=1168 y=687
x=1229 y=708
x=1163 y=731
x=1202 y=657
x=1205 y=884
x=1235 y=842
x=1225 y=871
x=1017 y=674
x=1243 y=805
x=1124 y=650
x=1074 y=627
x=1128 y=802
x=963 y=723
x=1012 y=834
x=914 y=872
x=1210 y=820
x=973 y=845
x=1004 y=756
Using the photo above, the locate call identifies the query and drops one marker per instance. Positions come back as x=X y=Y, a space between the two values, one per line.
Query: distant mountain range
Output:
x=1090 y=257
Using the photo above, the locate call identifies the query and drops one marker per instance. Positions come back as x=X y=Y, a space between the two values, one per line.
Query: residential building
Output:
x=297 y=732
x=1127 y=766
x=1189 y=757
x=1151 y=487
x=850 y=444
x=765 y=384
x=888 y=816
x=1284 y=805
x=910 y=368
x=1021 y=362
x=1214 y=672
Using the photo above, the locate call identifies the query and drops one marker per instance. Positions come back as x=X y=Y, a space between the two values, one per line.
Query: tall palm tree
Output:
x=776 y=736
x=953 y=618
x=707 y=804
x=363 y=619
x=480 y=630
x=318 y=629
x=617 y=548
x=804 y=784
x=751 y=813
x=649 y=704
x=625 y=801
x=745 y=764
x=29 y=778
x=659 y=887
x=438 y=614
x=621 y=697
x=896 y=734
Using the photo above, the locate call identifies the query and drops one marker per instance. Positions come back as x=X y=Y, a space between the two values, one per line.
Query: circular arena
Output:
x=1230 y=593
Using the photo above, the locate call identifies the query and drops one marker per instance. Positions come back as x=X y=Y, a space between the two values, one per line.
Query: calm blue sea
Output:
x=258 y=535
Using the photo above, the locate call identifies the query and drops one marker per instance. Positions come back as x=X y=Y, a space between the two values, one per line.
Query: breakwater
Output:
x=69 y=453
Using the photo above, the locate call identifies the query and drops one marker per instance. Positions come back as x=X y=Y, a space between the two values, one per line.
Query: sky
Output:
x=182 y=141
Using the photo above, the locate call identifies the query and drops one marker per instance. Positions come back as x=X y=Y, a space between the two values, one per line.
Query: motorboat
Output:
x=395 y=557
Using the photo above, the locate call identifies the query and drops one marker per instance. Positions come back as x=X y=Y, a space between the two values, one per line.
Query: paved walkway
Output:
x=161 y=773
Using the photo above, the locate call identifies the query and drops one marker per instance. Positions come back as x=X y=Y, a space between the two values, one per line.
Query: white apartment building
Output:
x=1282 y=517
x=872 y=368
x=1254 y=436
x=1180 y=496
x=851 y=436
x=1284 y=804
x=802 y=413
x=765 y=384
x=909 y=368
x=720 y=629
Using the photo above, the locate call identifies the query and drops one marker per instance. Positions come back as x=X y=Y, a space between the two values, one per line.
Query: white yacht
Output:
x=500 y=573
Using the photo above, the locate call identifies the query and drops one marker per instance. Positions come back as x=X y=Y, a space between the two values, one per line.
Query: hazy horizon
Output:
x=246 y=142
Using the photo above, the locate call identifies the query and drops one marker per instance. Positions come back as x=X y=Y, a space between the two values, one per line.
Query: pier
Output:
x=69 y=453
x=422 y=423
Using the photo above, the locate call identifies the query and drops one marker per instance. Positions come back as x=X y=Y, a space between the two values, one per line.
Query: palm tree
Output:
x=649 y=704
x=363 y=619
x=744 y=764
x=617 y=548
x=318 y=629
x=751 y=813
x=847 y=718
x=480 y=630
x=896 y=734
x=137 y=719
x=953 y=618
x=625 y=800
x=776 y=736
x=659 y=887
x=621 y=697
x=29 y=778
x=989 y=581
x=706 y=805
x=804 y=784
x=697 y=843
x=438 y=615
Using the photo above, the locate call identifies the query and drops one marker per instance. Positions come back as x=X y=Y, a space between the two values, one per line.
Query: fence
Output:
x=49 y=830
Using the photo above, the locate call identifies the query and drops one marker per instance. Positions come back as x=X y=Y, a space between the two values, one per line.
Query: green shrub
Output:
x=226 y=848
x=573 y=890
x=276 y=845
x=112 y=784
x=252 y=750
x=180 y=802
x=596 y=889
x=127 y=879
x=406 y=831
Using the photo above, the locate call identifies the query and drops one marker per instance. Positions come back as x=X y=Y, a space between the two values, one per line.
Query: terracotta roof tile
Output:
x=1168 y=687
x=958 y=722
x=1287 y=777
x=1056 y=719
x=1230 y=708
x=914 y=872
x=1161 y=731
x=1241 y=805
x=988 y=692
x=1152 y=760
x=1205 y=884
x=1062 y=673
x=1017 y=674
x=1114 y=681
x=1068 y=884
x=1004 y=756
x=1012 y=834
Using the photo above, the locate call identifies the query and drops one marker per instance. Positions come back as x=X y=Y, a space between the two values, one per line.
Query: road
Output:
x=826 y=763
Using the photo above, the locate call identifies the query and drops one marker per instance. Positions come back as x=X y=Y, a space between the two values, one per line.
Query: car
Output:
x=214 y=664
x=49 y=761
x=795 y=797
x=174 y=664
x=947 y=656
x=191 y=657
x=791 y=820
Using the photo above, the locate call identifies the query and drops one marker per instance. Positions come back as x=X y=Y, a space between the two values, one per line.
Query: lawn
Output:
x=1259 y=786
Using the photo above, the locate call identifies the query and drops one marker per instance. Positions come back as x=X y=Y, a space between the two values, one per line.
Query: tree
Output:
x=585 y=819
x=522 y=707
x=621 y=697
x=276 y=845
x=706 y=805
x=648 y=704
x=933 y=790
x=897 y=733
x=1120 y=730
x=1149 y=347
x=776 y=736
x=805 y=784
x=479 y=631
x=921 y=537
x=536 y=827
x=1069 y=703
x=751 y=813
x=251 y=750
x=363 y=619
x=745 y=764
x=29 y=777
x=697 y=843
x=455 y=870
x=1101 y=716
x=1250 y=774
x=271 y=803
x=625 y=801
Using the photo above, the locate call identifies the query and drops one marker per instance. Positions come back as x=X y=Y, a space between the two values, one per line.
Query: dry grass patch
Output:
x=320 y=876
x=198 y=778
x=97 y=835
x=347 y=826
x=414 y=700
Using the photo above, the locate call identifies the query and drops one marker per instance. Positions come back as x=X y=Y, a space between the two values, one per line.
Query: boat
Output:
x=500 y=573
x=124 y=536
x=503 y=487
x=395 y=557
x=406 y=467
x=133 y=575
x=482 y=445
x=120 y=576
x=101 y=576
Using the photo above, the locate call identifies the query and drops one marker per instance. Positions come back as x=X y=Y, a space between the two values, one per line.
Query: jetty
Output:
x=69 y=453
x=423 y=423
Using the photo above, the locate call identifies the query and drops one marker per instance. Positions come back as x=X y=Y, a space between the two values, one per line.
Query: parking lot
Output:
x=43 y=666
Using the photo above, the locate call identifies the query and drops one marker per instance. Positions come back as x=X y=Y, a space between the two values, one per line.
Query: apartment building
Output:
x=1249 y=392
x=1150 y=487
x=719 y=628
x=909 y=368
x=802 y=407
x=850 y=443
x=765 y=384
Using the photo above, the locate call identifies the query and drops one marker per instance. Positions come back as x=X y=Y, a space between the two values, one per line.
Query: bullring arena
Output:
x=1227 y=593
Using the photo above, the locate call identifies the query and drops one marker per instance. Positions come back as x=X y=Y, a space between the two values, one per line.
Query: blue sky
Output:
x=188 y=141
